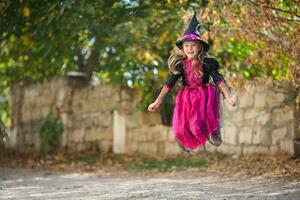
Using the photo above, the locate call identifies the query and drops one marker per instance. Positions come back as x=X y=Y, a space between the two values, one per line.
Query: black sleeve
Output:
x=213 y=70
x=216 y=76
x=172 y=80
x=174 y=77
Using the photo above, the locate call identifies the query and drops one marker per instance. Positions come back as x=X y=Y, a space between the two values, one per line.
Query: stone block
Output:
x=106 y=133
x=245 y=135
x=60 y=98
x=160 y=136
x=172 y=148
x=249 y=87
x=34 y=116
x=133 y=134
x=283 y=115
x=44 y=111
x=287 y=146
x=141 y=135
x=229 y=149
x=148 y=148
x=105 y=145
x=261 y=136
x=126 y=107
x=25 y=116
x=28 y=139
x=76 y=135
x=291 y=133
x=105 y=120
x=251 y=114
x=108 y=90
x=30 y=94
x=64 y=138
x=134 y=120
x=158 y=133
x=80 y=147
x=170 y=133
x=119 y=132
x=262 y=149
x=247 y=150
x=274 y=98
x=37 y=141
x=92 y=134
x=260 y=100
x=160 y=146
x=264 y=118
x=274 y=148
x=151 y=118
x=125 y=95
x=64 y=119
x=230 y=133
x=237 y=117
x=131 y=146
x=245 y=100
x=278 y=134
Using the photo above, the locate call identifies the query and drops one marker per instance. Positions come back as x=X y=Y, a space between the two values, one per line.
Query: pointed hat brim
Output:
x=184 y=39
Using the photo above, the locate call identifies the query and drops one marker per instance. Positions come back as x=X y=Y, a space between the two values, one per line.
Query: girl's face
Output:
x=191 y=49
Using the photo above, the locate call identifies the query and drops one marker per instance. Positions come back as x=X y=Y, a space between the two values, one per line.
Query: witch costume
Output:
x=196 y=114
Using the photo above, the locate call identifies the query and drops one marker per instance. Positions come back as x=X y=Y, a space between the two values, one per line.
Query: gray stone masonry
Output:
x=107 y=117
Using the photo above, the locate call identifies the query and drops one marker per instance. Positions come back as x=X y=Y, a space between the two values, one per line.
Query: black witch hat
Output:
x=192 y=34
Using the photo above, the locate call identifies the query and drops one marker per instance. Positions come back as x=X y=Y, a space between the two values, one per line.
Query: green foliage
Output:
x=128 y=42
x=50 y=133
x=5 y=106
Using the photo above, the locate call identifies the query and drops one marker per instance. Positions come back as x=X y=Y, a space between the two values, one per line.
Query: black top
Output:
x=210 y=68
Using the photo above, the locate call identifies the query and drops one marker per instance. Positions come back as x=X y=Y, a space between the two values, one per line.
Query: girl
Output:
x=196 y=116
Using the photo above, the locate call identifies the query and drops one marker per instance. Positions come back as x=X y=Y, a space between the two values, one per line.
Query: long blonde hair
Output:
x=179 y=56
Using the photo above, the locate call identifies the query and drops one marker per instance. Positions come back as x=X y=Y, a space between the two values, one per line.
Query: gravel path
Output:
x=28 y=184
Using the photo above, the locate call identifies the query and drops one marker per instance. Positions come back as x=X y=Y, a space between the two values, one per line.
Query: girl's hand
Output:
x=153 y=107
x=231 y=101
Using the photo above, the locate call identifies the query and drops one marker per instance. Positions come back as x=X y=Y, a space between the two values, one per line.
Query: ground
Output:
x=94 y=175
x=186 y=184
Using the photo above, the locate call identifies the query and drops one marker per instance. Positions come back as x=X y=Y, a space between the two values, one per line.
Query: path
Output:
x=27 y=184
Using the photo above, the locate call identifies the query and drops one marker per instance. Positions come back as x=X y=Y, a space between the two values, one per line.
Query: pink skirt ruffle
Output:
x=196 y=115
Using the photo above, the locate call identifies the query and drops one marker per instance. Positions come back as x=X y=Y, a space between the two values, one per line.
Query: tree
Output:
x=257 y=38
x=128 y=42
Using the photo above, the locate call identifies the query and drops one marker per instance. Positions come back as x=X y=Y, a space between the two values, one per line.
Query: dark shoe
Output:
x=183 y=148
x=215 y=139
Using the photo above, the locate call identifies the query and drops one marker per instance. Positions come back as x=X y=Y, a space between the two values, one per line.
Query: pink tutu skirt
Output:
x=196 y=115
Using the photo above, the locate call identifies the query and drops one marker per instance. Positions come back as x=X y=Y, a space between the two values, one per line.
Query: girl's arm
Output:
x=153 y=107
x=226 y=92
x=166 y=88
x=219 y=80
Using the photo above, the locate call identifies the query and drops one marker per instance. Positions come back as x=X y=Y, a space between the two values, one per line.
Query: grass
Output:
x=172 y=163
x=94 y=160
x=183 y=161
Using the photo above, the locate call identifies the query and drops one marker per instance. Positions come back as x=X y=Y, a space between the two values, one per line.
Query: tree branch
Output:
x=273 y=8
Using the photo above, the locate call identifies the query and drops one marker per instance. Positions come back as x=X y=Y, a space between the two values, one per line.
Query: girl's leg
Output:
x=215 y=138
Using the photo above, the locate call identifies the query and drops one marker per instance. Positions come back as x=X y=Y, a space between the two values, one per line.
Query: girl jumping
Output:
x=196 y=116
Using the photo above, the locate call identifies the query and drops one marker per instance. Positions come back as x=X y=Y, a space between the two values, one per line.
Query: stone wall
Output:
x=107 y=117
x=264 y=120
